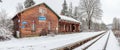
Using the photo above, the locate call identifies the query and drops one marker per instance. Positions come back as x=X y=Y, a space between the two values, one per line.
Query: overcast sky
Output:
x=110 y=8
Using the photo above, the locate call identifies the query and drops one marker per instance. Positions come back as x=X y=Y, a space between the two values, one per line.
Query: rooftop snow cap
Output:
x=35 y=6
x=59 y=16
x=67 y=18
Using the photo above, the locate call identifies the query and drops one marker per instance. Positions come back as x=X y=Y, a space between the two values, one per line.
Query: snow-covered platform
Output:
x=101 y=44
x=45 y=42
x=113 y=43
x=51 y=42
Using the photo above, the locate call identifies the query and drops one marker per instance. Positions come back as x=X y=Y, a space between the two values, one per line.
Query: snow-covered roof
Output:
x=56 y=5
x=67 y=18
x=59 y=16
x=35 y=6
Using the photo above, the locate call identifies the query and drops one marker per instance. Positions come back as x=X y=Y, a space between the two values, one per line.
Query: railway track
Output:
x=104 y=48
x=79 y=43
x=93 y=42
x=106 y=42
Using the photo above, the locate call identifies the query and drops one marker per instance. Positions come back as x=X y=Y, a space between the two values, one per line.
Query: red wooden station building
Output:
x=42 y=20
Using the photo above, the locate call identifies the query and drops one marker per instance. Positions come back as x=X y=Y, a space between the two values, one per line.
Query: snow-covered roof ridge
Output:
x=35 y=6
x=27 y=9
x=67 y=18
x=61 y=16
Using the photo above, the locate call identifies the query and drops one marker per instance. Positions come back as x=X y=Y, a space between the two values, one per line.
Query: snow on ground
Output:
x=99 y=45
x=113 y=43
x=45 y=42
x=5 y=34
x=88 y=43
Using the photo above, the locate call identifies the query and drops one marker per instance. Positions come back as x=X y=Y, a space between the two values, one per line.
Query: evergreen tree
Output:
x=65 y=9
x=0 y=0
x=70 y=10
x=19 y=7
x=28 y=3
x=75 y=11
x=76 y=14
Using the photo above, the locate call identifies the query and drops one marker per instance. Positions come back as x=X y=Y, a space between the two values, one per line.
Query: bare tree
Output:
x=4 y=22
x=90 y=9
x=6 y=26
x=3 y=16
x=19 y=7
x=116 y=24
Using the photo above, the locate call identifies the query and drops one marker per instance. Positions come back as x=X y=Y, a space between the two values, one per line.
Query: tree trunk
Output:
x=89 y=24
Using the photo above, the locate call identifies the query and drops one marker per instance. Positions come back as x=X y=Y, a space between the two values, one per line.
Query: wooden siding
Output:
x=52 y=24
x=41 y=26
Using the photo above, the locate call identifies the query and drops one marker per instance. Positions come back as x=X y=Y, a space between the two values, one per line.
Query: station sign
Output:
x=24 y=22
x=42 y=18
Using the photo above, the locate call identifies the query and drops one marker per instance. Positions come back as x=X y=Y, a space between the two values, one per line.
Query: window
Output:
x=42 y=10
x=33 y=26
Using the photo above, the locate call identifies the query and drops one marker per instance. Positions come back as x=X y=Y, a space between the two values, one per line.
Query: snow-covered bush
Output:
x=6 y=26
x=5 y=34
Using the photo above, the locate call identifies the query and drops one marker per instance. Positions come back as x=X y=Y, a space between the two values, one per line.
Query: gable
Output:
x=27 y=9
x=34 y=6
